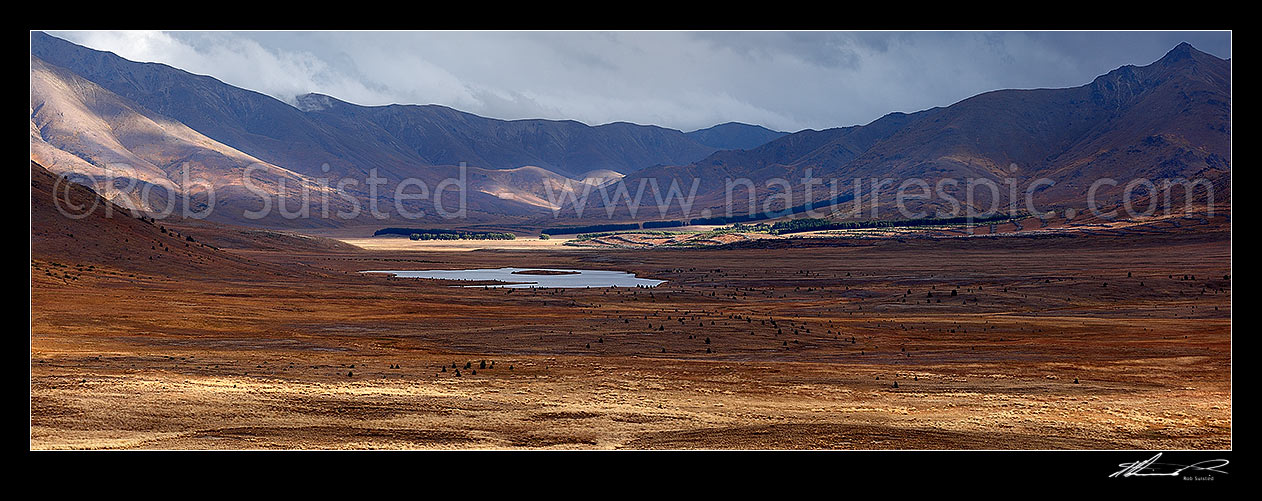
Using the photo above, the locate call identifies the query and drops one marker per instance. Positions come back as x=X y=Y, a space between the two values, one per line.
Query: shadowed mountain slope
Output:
x=735 y=136
x=396 y=139
x=102 y=234
x=137 y=157
x=1164 y=121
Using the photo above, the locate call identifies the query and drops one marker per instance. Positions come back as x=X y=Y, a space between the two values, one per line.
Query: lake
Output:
x=533 y=277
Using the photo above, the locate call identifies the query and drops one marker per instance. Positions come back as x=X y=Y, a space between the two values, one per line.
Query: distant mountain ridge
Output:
x=139 y=158
x=1164 y=121
x=735 y=136
x=352 y=138
x=76 y=126
x=445 y=136
x=125 y=150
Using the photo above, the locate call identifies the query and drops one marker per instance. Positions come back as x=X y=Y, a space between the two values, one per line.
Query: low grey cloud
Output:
x=685 y=80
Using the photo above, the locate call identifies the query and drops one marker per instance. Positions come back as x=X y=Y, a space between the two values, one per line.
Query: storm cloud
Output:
x=685 y=80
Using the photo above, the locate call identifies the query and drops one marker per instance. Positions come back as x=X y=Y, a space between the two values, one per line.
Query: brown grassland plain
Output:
x=1079 y=342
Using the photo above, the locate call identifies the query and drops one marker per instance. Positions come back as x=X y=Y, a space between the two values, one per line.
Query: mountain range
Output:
x=92 y=109
x=1164 y=121
x=323 y=137
x=735 y=136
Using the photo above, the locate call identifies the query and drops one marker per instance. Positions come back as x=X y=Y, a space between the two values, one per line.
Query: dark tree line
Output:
x=440 y=234
x=595 y=228
x=816 y=224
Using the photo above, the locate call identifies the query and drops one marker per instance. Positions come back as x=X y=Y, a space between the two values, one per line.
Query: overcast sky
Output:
x=685 y=80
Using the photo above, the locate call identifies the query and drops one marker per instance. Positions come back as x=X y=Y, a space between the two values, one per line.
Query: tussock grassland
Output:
x=1066 y=342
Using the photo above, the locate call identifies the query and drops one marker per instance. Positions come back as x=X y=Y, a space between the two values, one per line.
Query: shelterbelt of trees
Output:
x=780 y=228
x=439 y=234
x=463 y=236
x=816 y=224
x=612 y=227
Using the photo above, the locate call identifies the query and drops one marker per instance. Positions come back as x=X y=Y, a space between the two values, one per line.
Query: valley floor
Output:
x=1079 y=342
